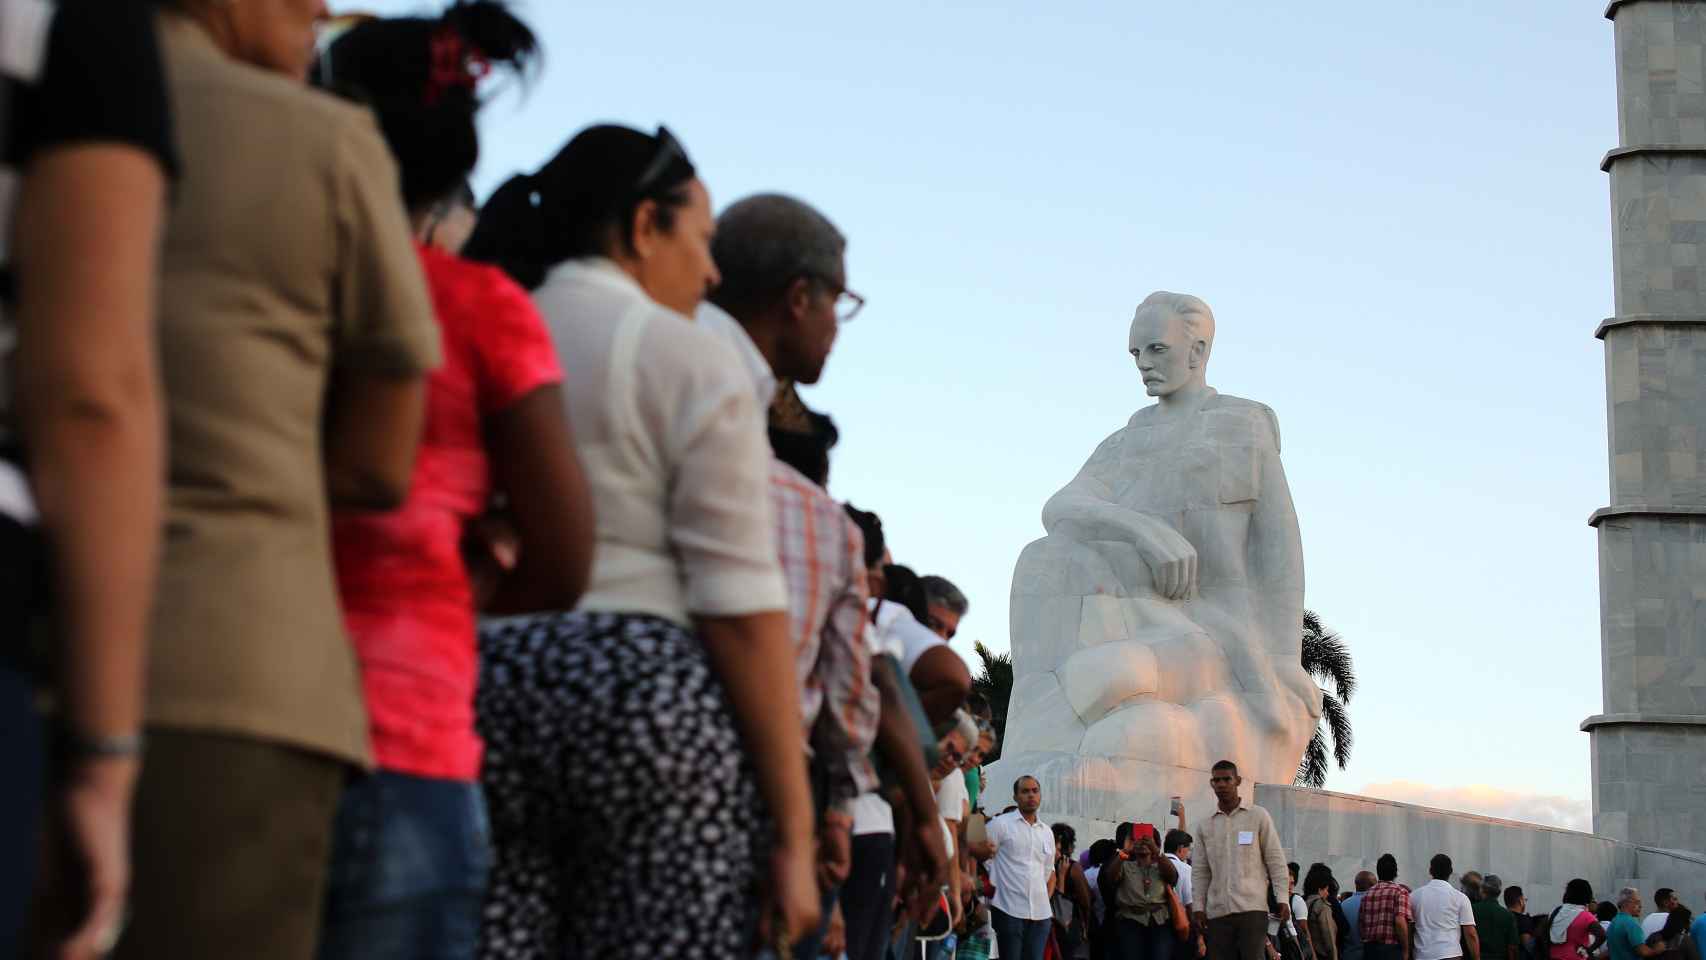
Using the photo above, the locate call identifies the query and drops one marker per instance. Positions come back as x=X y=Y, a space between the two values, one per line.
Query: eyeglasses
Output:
x=669 y=152
x=847 y=303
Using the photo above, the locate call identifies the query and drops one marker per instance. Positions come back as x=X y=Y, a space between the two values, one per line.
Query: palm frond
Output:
x=1338 y=726
x=1312 y=769
x=995 y=682
x=1327 y=658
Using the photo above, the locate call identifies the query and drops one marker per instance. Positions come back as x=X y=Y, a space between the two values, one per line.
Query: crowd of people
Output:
x=391 y=576
x=1229 y=894
x=387 y=576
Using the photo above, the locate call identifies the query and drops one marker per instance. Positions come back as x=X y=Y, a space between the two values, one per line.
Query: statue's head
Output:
x=1171 y=336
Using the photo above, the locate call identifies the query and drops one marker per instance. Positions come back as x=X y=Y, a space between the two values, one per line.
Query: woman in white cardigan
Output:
x=643 y=753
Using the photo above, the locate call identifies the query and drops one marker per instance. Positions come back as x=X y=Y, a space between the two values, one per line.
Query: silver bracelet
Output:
x=87 y=746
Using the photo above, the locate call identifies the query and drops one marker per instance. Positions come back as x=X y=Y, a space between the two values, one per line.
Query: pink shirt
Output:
x=406 y=596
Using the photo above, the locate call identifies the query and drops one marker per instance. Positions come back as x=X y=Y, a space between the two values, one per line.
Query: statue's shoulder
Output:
x=1247 y=417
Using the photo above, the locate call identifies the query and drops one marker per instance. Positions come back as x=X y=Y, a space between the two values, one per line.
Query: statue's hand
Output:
x=1172 y=561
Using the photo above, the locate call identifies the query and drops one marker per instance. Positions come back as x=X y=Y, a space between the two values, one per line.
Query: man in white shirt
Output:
x=1664 y=901
x=1444 y=920
x=1022 y=870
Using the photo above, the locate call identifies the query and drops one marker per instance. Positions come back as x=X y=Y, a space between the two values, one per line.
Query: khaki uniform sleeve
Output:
x=382 y=314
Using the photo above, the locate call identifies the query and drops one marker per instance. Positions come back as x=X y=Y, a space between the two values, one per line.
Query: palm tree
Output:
x=996 y=685
x=1327 y=658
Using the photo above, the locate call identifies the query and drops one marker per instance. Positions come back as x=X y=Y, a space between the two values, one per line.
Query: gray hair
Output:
x=767 y=241
x=942 y=590
x=1626 y=895
x=967 y=727
x=1492 y=886
x=1198 y=318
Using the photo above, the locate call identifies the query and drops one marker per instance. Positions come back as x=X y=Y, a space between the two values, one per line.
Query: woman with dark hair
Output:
x=411 y=853
x=1572 y=930
x=1136 y=883
x=665 y=705
x=295 y=334
x=1323 y=929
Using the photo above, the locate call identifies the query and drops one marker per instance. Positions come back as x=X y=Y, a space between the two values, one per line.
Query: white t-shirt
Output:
x=951 y=797
x=1441 y=912
x=1655 y=922
x=1024 y=855
x=1184 y=884
x=903 y=635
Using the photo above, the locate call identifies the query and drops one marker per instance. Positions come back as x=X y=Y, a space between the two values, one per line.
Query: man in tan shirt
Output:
x=1237 y=862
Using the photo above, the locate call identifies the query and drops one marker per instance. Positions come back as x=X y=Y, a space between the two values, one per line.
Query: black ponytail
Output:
x=418 y=75
x=511 y=233
x=581 y=203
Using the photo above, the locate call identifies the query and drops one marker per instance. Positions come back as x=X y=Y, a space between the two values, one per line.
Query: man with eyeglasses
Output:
x=781 y=301
x=946 y=604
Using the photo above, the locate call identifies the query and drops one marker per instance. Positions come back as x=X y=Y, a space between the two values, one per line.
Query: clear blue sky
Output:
x=1395 y=211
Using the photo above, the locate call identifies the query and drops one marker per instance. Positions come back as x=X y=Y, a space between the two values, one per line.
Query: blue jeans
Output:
x=1134 y=941
x=410 y=857
x=1020 y=939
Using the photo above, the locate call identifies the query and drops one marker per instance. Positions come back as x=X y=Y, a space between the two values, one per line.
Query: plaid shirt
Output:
x=1382 y=905
x=823 y=560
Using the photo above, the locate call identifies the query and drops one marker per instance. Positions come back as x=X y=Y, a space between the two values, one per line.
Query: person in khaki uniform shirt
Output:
x=295 y=331
x=1236 y=865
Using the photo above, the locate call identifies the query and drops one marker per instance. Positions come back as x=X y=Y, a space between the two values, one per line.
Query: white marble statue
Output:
x=1156 y=629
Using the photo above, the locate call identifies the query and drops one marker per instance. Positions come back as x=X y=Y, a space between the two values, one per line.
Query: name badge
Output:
x=1246 y=837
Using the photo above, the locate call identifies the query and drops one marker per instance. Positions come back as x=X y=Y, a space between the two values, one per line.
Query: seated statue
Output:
x=1157 y=628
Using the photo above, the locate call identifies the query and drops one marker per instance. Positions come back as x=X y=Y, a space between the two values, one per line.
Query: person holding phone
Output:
x=1136 y=880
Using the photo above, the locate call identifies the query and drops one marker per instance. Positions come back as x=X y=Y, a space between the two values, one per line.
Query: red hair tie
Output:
x=455 y=64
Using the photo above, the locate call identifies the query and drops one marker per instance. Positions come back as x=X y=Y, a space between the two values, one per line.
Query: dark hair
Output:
x=1175 y=840
x=1364 y=880
x=1512 y=896
x=902 y=587
x=807 y=452
x=1224 y=765
x=1293 y=869
x=1662 y=894
x=1578 y=892
x=1319 y=876
x=1386 y=868
x=1122 y=833
x=1439 y=867
x=581 y=203
x=1677 y=923
x=1102 y=851
x=418 y=76
x=871 y=526
x=1605 y=912
x=1064 y=835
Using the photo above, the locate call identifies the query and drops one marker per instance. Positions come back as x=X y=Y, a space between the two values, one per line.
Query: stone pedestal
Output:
x=1649 y=746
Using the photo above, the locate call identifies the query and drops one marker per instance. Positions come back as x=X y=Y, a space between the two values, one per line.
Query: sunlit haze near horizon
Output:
x=1395 y=211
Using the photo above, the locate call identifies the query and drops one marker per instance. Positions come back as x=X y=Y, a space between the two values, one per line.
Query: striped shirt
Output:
x=823 y=561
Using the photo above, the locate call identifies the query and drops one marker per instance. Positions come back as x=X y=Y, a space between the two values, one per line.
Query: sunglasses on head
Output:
x=670 y=151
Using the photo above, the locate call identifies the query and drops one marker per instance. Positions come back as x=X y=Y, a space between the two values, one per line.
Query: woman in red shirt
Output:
x=411 y=853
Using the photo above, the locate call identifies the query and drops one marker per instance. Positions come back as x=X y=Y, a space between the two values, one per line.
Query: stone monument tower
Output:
x=1649 y=746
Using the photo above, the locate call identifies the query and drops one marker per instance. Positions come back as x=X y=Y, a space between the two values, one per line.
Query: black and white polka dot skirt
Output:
x=625 y=817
